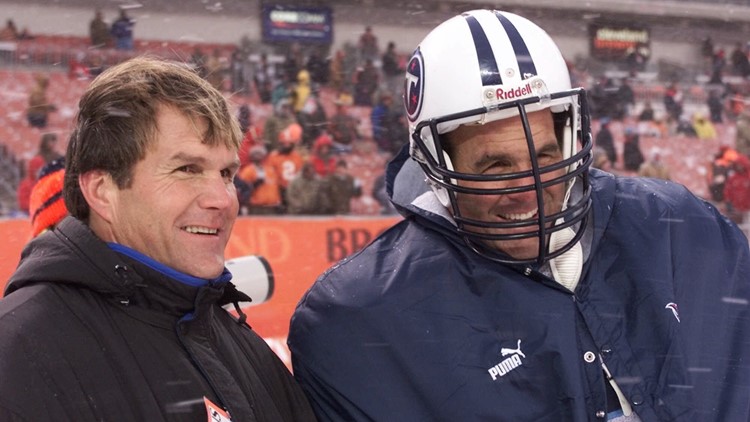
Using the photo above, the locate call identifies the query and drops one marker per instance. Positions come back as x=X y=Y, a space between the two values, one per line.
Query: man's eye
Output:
x=188 y=169
x=498 y=168
x=227 y=174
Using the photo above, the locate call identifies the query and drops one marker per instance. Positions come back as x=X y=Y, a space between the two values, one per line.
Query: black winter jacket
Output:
x=90 y=334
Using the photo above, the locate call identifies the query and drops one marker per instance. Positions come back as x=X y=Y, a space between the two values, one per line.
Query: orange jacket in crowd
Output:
x=265 y=194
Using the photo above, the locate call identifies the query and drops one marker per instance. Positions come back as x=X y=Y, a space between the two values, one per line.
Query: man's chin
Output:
x=520 y=249
x=208 y=271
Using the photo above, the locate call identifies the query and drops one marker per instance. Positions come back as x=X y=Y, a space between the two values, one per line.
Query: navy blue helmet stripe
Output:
x=487 y=63
x=525 y=63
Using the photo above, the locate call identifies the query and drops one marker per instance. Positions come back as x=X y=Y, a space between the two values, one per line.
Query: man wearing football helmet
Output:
x=523 y=285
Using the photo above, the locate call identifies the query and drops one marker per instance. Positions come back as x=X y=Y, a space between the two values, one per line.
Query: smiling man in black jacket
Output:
x=116 y=313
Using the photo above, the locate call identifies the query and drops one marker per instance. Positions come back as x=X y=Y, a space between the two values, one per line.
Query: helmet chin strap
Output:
x=566 y=268
x=441 y=192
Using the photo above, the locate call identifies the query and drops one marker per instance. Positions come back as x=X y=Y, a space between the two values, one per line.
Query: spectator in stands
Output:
x=9 y=32
x=739 y=60
x=239 y=74
x=336 y=71
x=715 y=106
x=23 y=193
x=37 y=114
x=703 y=127
x=313 y=119
x=264 y=77
x=99 y=31
x=286 y=159
x=636 y=58
x=46 y=204
x=632 y=156
x=48 y=148
x=318 y=68
x=368 y=45
x=604 y=100
x=736 y=101
x=122 y=31
x=46 y=154
x=342 y=188
x=253 y=134
x=393 y=73
x=625 y=99
x=366 y=83
x=301 y=90
x=718 y=65
x=322 y=157
x=78 y=68
x=294 y=61
x=673 y=101
x=707 y=51
x=307 y=193
x=388 y=130
x=281 y=118
x=742 y=136
x=718 y=171
x=654 y=167
x=685 y=127
x=737 y=190
x=343 y=126
x=215 y=69
x=647 y=113
x=282 y=90
x=600 y=159
x=261 y=176
x=606 y=141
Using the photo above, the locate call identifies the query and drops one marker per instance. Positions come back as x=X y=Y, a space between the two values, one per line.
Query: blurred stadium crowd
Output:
x=338 y=114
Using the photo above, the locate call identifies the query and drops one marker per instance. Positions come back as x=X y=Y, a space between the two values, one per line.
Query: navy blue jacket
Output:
x=416 y=327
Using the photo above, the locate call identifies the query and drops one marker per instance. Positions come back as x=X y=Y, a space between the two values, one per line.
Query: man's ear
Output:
x=99 y=190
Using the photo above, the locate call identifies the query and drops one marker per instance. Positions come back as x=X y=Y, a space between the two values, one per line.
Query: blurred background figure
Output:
x=632 y=156
x=322 y=157
x=286 y=159
x=46 y=204
x=654 y=167
x=342 y=188
x=737 y=191
x=718 y=172
x=307 y=193
x=742 y=137
x=122 y=31
x=368 y=45
x=605 y=141
x=261 y=177
x=99 y=31
x=37 y=114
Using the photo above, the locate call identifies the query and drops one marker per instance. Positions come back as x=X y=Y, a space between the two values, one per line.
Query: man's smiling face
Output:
x=182 y=203
x=499 y=148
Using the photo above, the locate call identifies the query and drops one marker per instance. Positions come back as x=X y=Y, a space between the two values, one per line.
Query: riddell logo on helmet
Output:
x=512 y=93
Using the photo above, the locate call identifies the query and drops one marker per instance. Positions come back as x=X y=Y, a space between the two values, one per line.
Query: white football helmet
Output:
x=483 y=66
